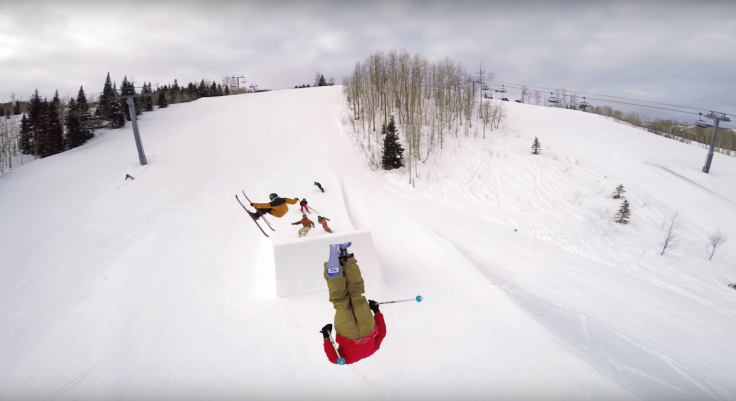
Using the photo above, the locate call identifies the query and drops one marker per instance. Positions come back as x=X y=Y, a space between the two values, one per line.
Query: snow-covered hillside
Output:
x=162 y=287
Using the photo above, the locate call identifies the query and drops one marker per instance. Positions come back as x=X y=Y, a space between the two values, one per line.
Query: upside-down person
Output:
x=359 y=332
x=277 y=207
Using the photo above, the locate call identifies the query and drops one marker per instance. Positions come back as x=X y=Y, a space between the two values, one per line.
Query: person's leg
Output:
x=356 y=288
x=344 y=319
x=306 y=230
x=257 y=215
x=302 y=231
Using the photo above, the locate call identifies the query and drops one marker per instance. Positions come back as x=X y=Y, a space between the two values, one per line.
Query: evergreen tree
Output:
x=202 y=92
x=536 y=146
x=117 y=115
x=619 y=191
x=16 y=108
x=82 y=106
x=392 y=149
x=162 y=102
x=213 y=89
x=126 y=88
x=35 y=123
x=219 y=90
x=226 y=92
x=26 y=136
x=76 y=135
x=53 y=141
x=106 y=100
x=147 y=100
x=624 y=213
x=176 y=85
x=322 y=81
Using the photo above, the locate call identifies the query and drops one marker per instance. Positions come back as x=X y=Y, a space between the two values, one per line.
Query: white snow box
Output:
x=300 y=261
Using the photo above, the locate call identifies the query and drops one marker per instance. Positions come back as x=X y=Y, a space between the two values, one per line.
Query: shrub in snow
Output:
x=670 y=240
x=619 y=191
x=392 y=149
x=624 y=213
x=536 y=146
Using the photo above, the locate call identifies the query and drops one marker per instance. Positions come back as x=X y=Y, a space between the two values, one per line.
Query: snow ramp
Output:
x=299 y=261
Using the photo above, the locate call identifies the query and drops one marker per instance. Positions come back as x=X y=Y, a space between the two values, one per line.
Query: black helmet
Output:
x=273 y=196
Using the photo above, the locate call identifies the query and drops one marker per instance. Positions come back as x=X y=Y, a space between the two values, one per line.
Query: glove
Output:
x=326 y=331
x=373 y=305
x=293 y=224
x=251 y=204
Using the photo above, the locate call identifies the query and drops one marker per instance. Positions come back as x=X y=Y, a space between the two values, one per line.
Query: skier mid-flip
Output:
x=277 y=207
x=359 y=332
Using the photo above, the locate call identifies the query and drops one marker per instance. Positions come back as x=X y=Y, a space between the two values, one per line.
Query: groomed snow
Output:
x=162 y=287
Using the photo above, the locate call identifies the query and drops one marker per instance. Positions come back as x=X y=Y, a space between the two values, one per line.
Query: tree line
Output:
x=430 y=101
x=40 y=128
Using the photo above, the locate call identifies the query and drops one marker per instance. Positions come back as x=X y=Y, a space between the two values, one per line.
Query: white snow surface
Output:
x=163 y=288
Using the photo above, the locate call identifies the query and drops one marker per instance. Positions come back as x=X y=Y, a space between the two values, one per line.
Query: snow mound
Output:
x=300 y=262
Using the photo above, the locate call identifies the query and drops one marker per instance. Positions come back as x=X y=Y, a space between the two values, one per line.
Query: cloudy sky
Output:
x=679 y=52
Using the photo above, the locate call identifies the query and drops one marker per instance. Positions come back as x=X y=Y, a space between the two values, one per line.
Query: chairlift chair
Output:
x=551 y=98
x=702 y=123
x=584 y=104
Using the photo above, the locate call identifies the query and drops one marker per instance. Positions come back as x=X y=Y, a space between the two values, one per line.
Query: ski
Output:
x=262 y=215
x=251 y=217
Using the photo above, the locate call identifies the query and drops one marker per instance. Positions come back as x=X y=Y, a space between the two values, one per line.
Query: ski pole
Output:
x=340 y=360
x=309 y=207
x=418 y=299
x=259 y=212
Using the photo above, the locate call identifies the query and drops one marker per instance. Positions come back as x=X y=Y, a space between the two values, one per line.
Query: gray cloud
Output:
x=674 y=52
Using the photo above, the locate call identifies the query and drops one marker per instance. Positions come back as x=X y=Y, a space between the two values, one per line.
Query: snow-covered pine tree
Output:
x=76 y=135
x=117 y=115
x=624 y=213
x=52 y=139
x=322 y=81
x=148 y=103
x=162 y=102
x=26 y=136
x=82 y=106
x=619 y=191
x=536 y=146
x=126 y=89
x=29 y=144
x=105 y=101
x=392 y=150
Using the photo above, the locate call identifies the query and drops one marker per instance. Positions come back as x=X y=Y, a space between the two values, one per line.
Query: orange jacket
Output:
x=278 y=206
x=305 y=223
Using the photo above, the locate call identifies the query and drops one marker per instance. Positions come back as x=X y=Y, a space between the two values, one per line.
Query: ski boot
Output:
x=337 y=252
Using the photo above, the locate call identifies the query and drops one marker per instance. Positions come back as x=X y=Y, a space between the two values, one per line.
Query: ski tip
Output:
x=419 y=298
x=340 y=361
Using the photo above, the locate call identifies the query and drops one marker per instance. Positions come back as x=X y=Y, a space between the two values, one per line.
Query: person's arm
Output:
x=330 y=351
x=378 y=317
x=262 y=205
x=291 y=201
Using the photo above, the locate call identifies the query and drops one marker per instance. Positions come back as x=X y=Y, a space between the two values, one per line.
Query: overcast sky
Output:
x=681 y=52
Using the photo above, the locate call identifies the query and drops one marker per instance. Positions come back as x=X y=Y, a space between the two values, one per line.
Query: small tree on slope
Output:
x=619 y=191
x=392 y=149
x=536 y=146
x=715 y=239
x=624 y=213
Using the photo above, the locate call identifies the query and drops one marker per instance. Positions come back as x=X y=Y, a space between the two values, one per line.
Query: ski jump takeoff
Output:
x=359 y=332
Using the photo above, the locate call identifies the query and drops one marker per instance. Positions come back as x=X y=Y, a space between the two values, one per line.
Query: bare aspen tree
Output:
x=715 y=239
x=671 y=237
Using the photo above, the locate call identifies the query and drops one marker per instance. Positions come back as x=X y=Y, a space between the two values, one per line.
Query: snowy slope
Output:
x=163 y=288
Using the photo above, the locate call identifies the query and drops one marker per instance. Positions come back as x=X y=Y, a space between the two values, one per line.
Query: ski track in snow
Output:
x=160 y=287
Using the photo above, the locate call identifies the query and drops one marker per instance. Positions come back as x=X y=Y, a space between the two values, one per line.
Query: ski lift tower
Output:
x=502 y=91
x=134 y=121
x=253 y=88
x=717 y=118
x=235 y=83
